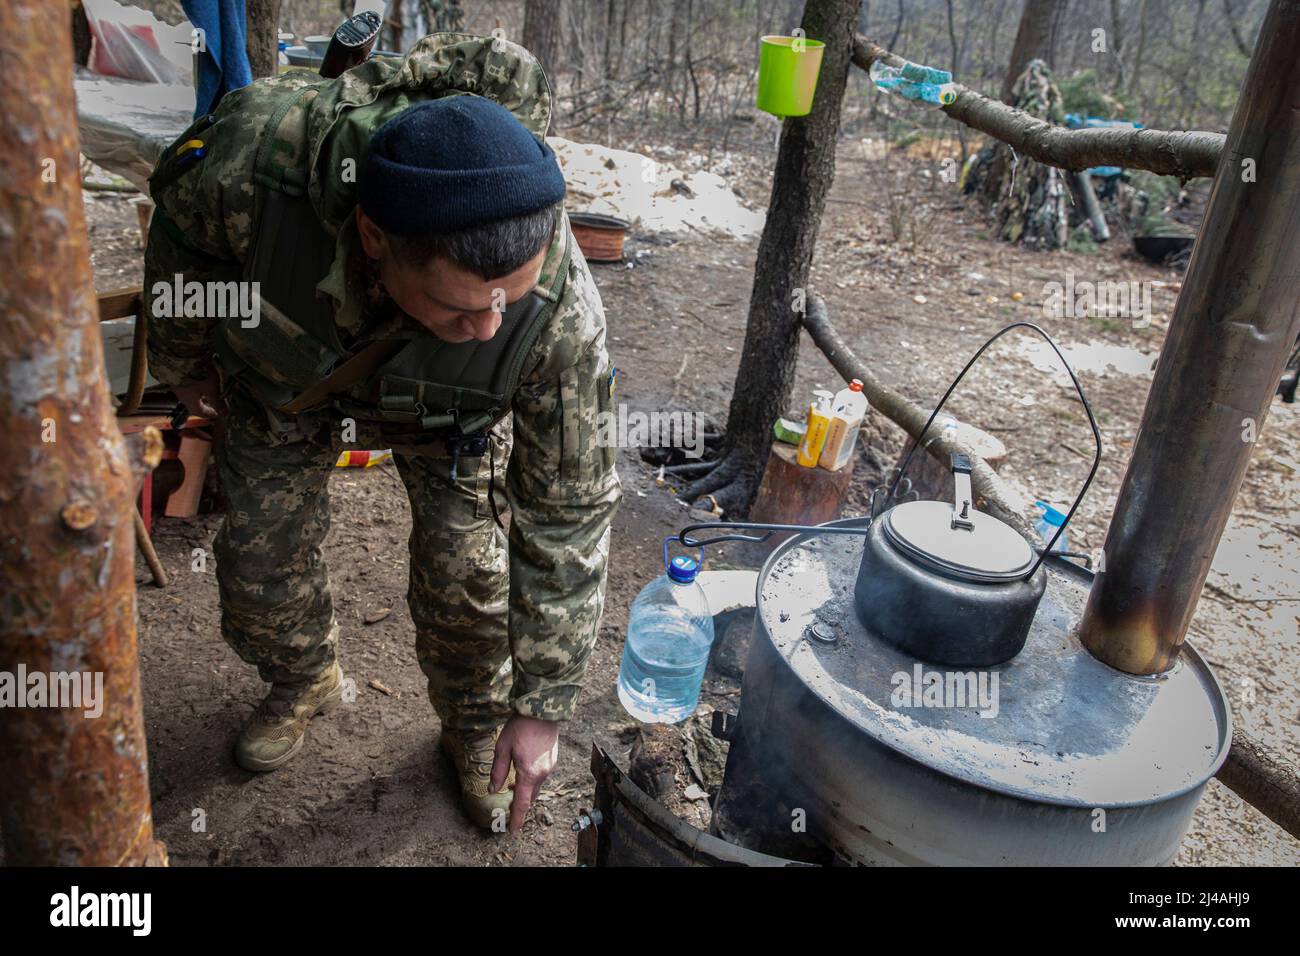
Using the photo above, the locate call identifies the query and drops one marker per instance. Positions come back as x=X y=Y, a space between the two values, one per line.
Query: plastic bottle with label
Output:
x=814 y=437
x=848 y=411
x=912 y=81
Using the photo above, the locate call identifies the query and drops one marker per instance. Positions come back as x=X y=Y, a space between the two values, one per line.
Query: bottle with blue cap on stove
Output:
x=1047 y=525
x=669 y=634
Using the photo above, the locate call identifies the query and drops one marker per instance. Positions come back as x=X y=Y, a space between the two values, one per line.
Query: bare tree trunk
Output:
x=1117 y=47
x=81 y=39
x=1138 y=58
x=1035 y=39
x=396 y=25
x=444 y=17
x=805 y=167
x=956 y=71
x=898 y=26
x=542 y=25
x=609 y=38
x=1192 y=67
x=1242 y=46
x=74 y=788
x=263 y=36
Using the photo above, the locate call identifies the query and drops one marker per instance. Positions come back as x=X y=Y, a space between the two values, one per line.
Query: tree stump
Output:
x=932 y=478
x=793 y=494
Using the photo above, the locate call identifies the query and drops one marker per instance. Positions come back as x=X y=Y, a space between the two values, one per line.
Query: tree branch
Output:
x=1264 y=779
x=1182 y=154
x=909 y=417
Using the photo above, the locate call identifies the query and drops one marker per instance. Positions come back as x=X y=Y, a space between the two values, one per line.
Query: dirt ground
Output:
x=369 y=787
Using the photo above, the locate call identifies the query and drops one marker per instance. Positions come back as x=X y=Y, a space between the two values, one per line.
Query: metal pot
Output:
x=947 y=583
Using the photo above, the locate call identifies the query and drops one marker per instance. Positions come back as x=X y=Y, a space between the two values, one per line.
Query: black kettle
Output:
x=947 y=583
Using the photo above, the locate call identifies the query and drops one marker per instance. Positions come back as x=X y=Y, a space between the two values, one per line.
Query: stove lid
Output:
x=978 y=548
x=1053 y=724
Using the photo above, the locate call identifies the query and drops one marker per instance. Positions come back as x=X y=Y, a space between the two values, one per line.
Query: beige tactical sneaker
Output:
x=472 y=757
x=275 y=731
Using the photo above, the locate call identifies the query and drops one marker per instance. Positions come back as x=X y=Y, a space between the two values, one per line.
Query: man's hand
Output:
x=532 y=745
x=202 y=397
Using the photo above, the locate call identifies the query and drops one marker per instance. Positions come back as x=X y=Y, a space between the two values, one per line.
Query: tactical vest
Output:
x=425 y=393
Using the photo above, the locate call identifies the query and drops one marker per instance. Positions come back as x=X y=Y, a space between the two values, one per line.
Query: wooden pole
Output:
x=1231 y=333
x=74 y=787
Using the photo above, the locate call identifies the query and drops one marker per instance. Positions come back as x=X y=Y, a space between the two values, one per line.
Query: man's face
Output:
x=454 y=304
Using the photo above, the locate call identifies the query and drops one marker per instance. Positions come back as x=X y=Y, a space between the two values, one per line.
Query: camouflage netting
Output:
x=1154 y=205
x=1028 y=202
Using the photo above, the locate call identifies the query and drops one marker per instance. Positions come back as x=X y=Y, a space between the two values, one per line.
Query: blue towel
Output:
x=224 y=66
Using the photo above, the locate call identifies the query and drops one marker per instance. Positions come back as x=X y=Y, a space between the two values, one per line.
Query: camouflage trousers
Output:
x=276 y=608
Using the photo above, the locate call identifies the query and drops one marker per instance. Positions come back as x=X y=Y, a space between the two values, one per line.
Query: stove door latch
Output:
x=724 y=725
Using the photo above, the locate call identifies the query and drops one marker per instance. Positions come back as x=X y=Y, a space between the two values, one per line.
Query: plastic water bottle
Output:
x=669 y=633
x=912 y=81
x=848 y=410
x=1047 y=524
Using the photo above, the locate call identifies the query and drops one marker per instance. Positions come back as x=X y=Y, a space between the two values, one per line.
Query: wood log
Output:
x=193 y=454
x=1081 y=184
x=1264 y=779
x=793 y=494
x=930 y=472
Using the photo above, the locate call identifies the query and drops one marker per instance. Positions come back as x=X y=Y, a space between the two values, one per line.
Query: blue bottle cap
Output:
x=683 y=569
x=1050 y=514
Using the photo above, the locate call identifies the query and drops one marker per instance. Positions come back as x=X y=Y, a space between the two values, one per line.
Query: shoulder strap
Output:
x=290 y=177
x=352 y=371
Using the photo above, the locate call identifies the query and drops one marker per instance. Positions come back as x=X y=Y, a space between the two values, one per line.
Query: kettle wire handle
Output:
x=1092 y=423
x=690 y=544
x=684 y=536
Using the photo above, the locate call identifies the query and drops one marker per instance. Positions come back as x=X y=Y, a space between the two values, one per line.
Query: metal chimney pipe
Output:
x=1227 y=344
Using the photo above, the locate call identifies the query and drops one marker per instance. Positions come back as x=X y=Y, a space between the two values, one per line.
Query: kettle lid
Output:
x=989 y=551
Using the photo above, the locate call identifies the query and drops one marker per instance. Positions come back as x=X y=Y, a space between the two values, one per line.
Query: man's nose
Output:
x=485 y=323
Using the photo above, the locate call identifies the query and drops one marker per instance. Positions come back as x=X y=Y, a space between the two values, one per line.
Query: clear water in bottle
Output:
x=669 y=633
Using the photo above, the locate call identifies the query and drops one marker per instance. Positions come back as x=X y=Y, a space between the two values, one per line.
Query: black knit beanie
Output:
x=453 y=163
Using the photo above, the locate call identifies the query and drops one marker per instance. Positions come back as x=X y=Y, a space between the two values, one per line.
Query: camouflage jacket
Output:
x=562 y=486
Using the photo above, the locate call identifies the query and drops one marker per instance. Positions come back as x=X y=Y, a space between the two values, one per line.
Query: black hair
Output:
x=490 y=250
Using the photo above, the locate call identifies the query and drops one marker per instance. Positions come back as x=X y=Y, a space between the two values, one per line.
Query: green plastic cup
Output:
x=787 y=74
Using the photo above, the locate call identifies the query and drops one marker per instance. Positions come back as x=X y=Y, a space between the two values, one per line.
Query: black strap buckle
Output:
x=474 y=445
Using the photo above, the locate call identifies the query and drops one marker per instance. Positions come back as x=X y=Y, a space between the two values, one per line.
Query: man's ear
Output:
x=373 y=240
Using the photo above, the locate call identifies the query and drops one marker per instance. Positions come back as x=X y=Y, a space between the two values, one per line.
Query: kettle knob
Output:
x=962 y=504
